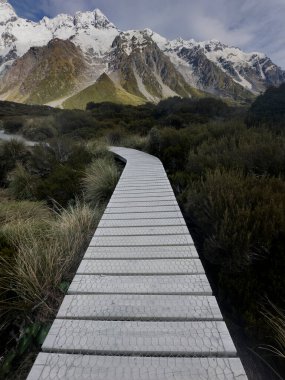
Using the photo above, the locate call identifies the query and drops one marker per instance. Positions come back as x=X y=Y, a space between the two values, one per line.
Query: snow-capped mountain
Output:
x=253 y=71
x=69 y=58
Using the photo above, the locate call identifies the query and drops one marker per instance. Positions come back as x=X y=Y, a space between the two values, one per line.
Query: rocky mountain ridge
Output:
x=47 y=62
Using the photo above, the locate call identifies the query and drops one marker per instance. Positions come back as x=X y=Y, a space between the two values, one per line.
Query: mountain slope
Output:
x=143 y=69
x=54 y=59
x=253 y=71
x=44 y=73
x=103 y=90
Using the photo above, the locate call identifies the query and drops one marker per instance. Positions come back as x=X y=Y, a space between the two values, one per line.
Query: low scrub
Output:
x=239 y=217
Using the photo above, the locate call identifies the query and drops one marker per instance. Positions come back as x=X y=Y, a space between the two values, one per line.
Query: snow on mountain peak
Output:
x=102 y=20
x=4 y=3
x=96 y=19
x=7 y=12
x=100 y=40
x=5 y=6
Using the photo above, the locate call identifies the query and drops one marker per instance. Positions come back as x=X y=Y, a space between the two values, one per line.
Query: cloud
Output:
x=253 y=25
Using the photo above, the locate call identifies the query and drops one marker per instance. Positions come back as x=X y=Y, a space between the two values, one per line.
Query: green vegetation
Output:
x=226 y=165
x=268 y=109
x=103 y=90
x=100 y=181
x=47 y=218
x=276 y=320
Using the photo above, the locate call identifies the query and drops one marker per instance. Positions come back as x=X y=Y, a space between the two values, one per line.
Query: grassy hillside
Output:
x=104 y=90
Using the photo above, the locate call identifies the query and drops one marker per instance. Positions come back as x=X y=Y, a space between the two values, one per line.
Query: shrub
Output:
x=10 y=153
x=238 y=217
x=252 y=151
x=53 y=171
x=100 y=181
x=13 y=125
x=269 y=109
x=170 y=145
x=61 y=185
x=40 y=128
x=153 y=146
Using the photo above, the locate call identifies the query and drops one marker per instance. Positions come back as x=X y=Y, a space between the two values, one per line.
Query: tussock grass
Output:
x=21 y=183
x=98 y=149
x=47 y=251
x=100 y=181
x=13 y=148
x=73 y=230
x=135 y=142
x=24 y=210
x=275 y=318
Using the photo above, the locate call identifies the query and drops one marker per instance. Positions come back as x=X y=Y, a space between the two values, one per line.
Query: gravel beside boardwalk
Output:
x=140 y=306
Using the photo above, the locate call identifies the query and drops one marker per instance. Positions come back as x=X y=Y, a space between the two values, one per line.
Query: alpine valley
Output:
x=69 y=61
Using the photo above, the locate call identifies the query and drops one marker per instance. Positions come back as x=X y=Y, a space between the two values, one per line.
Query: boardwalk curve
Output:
x=140 y=306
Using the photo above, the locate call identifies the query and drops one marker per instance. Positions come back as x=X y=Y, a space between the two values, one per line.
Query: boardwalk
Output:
x=140 y=306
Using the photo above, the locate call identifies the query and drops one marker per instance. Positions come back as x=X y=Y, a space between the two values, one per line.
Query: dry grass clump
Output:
x=21 y=183
x=98 y=149
x=47 y=250
x=73 y=230
x=13 y=211
x=135 y=142
x=275 y=318
x=100 y=181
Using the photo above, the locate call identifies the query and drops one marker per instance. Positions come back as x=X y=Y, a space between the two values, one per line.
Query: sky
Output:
x=252 y=25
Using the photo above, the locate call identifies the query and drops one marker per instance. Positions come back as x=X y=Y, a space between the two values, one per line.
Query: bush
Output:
x=170 y=145
x=239 y=218
x=13 y=125
x=238 y=223
x=61 y=185
x=53 y=171
x=269 y=109
x=11 y=152
x=252 y=151
x=40 y=128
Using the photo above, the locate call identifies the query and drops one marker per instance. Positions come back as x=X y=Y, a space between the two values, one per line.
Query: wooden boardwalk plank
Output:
x=140 y=306
x=89 y=367
x=165 y=284
x=141 y=240
x=141 y=231
x=141 y=267
x=139 y=253
x=142 y=338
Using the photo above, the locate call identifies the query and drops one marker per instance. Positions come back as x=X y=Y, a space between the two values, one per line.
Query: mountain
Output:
x=46 y=73
x=61 y=61
x=103 y=90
